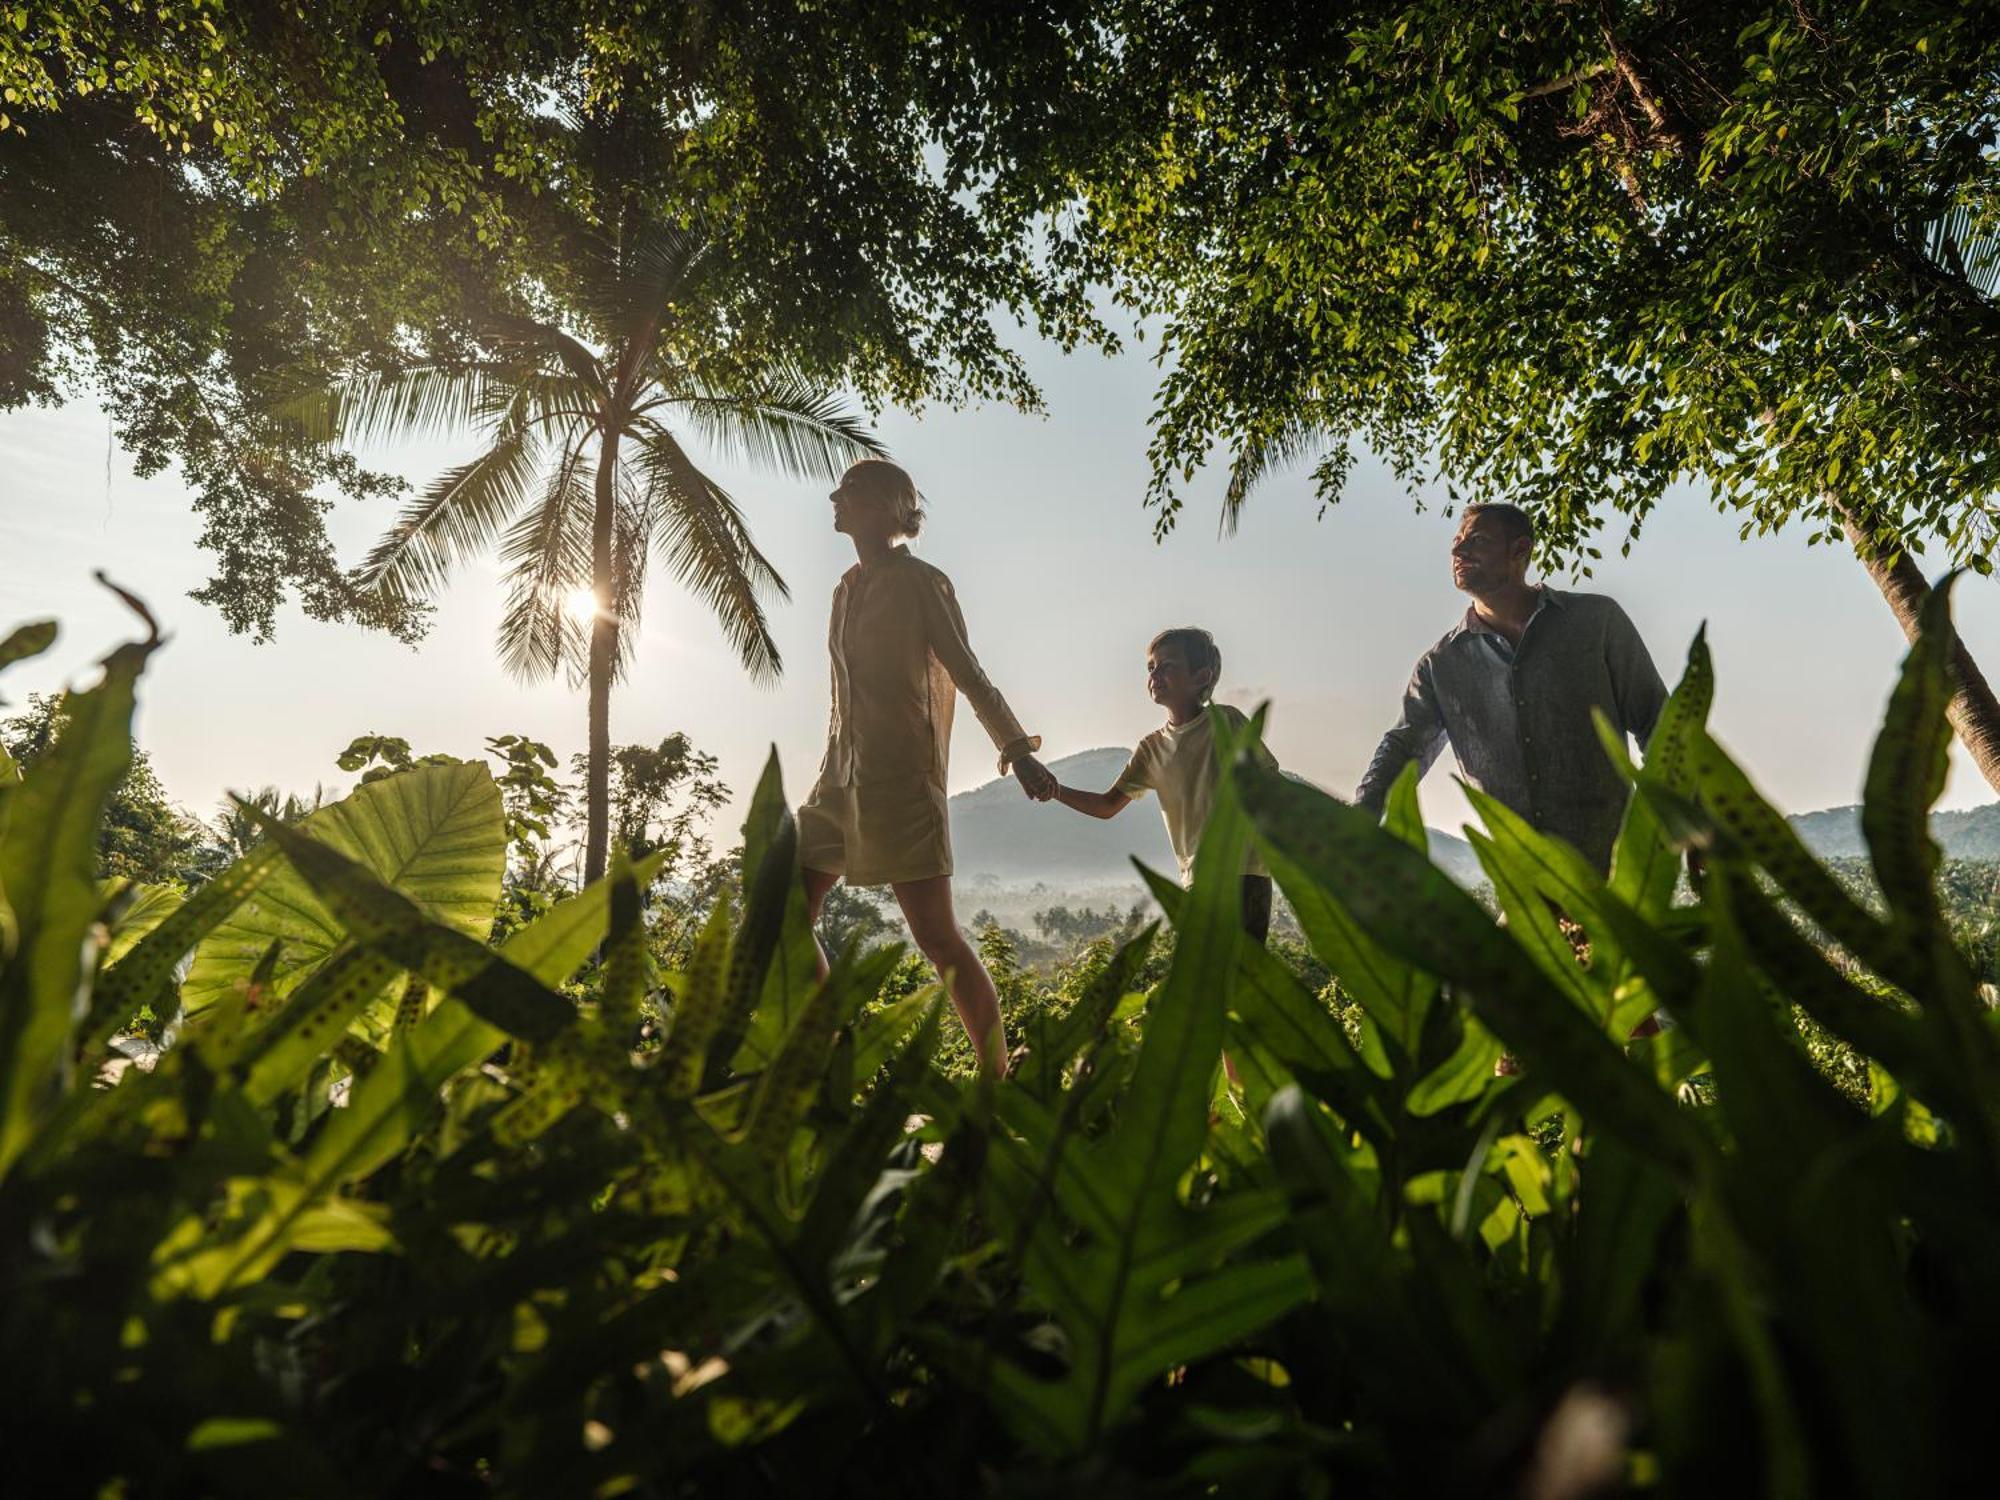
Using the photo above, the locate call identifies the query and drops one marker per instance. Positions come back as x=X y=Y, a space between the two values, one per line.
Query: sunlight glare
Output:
x=581 y=603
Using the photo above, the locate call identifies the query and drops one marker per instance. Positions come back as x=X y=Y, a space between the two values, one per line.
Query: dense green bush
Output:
x=401 y=1209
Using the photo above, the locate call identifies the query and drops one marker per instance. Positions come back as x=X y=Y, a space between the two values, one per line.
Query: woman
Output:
x=877 y=814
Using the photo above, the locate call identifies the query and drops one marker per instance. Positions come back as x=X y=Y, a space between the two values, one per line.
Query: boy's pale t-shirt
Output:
x=1177 y=761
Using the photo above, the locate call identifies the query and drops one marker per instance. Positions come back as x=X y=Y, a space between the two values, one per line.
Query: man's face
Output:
x=1483 y=558
x=1170 y=681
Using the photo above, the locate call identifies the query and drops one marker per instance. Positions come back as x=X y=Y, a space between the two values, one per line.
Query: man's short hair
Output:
x=1515 y=524
x=1198 y=650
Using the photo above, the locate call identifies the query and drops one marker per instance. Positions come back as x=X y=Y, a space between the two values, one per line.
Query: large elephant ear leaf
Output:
x=436 y=833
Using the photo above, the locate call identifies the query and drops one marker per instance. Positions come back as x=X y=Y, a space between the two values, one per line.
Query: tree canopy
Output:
x=204 y=211
x=1572 y=254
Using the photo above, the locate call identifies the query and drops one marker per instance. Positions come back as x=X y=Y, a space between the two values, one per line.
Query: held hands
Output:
x=1036 y=779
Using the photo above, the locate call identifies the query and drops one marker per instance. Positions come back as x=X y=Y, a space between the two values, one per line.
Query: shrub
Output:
x=403 y=1210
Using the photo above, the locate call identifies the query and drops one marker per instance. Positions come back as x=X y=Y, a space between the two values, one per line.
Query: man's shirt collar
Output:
x=1473 y=625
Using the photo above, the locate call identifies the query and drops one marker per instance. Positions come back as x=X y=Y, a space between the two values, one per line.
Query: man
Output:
x=1512 y=688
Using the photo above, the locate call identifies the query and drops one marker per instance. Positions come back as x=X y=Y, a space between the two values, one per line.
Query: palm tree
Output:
x=582 y=480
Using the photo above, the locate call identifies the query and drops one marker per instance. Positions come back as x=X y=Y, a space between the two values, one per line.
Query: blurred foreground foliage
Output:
x=613 y=1197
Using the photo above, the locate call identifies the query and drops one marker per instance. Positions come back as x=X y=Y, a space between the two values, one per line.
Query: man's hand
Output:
x=1036 y=779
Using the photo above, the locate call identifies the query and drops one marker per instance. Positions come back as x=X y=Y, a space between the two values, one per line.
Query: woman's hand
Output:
x=1036 y=779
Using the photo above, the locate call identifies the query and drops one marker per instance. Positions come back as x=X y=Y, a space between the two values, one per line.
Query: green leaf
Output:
x=1386 y=1324
x=48 y=870
x=699 y=1010
x=1150 y=1285
x=1413 y=911
x=1042 y=1068
x=315 y=1017
x=1815 y=1181
x=854 y=1166
x=1295 y=1024
x=1395 y=995
x=1533 y=925
x=436 y=833
x=24 y=641
x=389 y=922
x=1645 y=864
x=1461 y=1077
x=1907 y=770
x=1761 y=834
x=144 y=974
x=789 y=1083
x=772 y=967
x=877 y=1034
x=624 y=955
x=1615 y=1251
x=391 y=1103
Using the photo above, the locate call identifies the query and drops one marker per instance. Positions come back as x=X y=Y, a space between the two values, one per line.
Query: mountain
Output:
x=1971 y=834
x=997 y=831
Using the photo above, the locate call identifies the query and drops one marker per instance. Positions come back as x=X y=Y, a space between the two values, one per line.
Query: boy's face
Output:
x=1170 y=682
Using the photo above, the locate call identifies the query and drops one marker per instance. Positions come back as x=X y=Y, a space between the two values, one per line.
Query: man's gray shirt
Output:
x=1519 y=717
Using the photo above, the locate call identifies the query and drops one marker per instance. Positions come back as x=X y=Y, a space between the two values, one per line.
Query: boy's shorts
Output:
x=881 y=833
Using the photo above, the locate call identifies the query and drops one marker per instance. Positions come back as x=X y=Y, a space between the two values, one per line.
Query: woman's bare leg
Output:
x=817 y=884
x=927 y=908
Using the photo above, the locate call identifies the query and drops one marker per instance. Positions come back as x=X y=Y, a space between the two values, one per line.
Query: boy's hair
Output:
x=1515 y=524
x=892 y=483
x=1198 y=649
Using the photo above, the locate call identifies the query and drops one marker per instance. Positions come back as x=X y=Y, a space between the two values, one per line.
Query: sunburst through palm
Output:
x=583 y=482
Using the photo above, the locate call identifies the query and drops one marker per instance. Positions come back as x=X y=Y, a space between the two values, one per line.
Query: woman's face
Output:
x=858 y=510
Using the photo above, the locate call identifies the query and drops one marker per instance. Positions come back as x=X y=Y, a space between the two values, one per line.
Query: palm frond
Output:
x=701 y=535
x=538 y=399
x=386 y=406
x=1260 y=454
x=532 y=343
x=1966 y=245
x=635 y=282
x=459 y=514
x=781 y=422
x=631 y=545
x=548 y=553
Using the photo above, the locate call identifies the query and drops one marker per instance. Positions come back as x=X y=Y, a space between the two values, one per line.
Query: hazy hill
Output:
x=997 y=831
x=1971 y=834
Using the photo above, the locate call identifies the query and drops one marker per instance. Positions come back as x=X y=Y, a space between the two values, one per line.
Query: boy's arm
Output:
x=1096 y=804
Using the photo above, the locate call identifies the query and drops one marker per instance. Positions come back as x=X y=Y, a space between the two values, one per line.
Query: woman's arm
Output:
x=1096 y=804
x=945 y=627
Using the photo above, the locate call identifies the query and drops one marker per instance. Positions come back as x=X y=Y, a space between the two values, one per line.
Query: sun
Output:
x=581 y=603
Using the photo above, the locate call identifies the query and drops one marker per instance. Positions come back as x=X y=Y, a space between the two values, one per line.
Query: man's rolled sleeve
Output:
x=1635 y=681
x=945 y=626
x=1419 y=735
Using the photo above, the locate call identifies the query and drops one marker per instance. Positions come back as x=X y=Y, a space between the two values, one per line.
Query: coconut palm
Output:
x=585 y=478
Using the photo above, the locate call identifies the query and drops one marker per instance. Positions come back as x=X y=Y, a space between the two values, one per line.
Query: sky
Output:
x=1039 y=521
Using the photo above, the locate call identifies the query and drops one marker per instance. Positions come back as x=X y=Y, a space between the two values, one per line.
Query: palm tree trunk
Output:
x=603 y=656
x=1974 y=711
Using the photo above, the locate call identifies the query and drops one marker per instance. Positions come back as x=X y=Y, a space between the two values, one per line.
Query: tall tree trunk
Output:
x=603 y=658
x=1974 y=711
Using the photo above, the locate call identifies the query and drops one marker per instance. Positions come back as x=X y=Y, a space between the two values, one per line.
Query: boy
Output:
x=1177 y=760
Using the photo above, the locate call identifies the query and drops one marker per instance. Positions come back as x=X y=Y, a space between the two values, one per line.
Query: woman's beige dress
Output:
x=877 y=813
